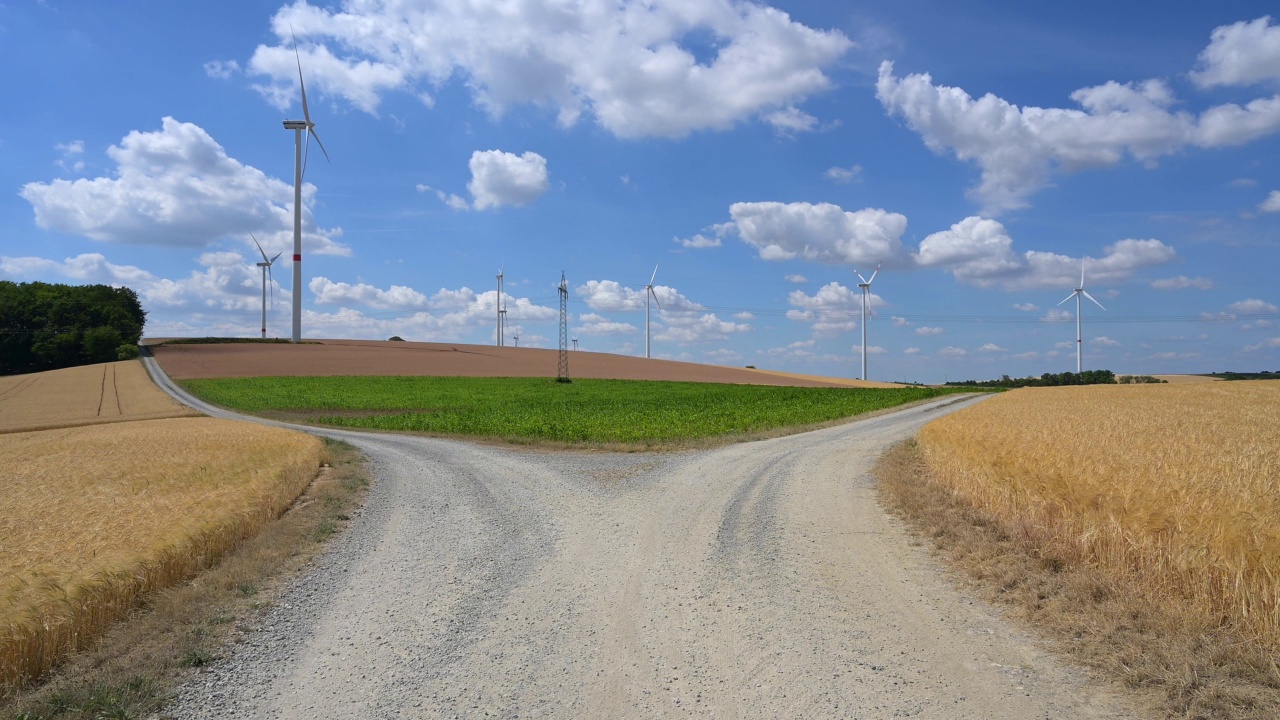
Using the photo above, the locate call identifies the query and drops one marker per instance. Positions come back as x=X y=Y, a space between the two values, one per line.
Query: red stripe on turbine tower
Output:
x=297 y=258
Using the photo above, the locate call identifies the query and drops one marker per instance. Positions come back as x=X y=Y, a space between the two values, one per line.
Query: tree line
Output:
x=1088 y=377
x=47 y=326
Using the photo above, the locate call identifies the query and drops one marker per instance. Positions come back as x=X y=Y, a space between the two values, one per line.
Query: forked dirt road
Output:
x=759 y=580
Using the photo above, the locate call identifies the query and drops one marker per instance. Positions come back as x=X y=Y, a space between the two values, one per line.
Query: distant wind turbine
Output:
x=299 y=163
x=266 y=271
x=575 y=343
x=866 y=290
x=502 y=313
x=1079 y=336
x=648 y=293
x=516 y=337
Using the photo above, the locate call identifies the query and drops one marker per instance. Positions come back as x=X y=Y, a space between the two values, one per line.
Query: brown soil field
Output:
x=1183 y=379
x=86 y=395
x=372 y=357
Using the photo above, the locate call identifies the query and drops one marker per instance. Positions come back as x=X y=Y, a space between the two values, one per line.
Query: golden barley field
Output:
x=94 y=516
x=1176 y=487
x=86 y=395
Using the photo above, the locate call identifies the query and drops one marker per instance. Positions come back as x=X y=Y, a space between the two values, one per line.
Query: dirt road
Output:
x=759 y=580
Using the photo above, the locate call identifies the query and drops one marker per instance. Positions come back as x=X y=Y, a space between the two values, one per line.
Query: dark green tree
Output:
x=45 y=326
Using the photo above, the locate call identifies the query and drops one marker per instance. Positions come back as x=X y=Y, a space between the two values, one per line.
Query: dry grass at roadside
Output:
x=86 y=395
x=1140 y=524
x=94 y=518
x=138 y=663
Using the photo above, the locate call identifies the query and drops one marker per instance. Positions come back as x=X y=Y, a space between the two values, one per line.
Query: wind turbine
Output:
x=866 y=290
x=502 y=312
x=266 y=271
x=516 y=337
x=648 y=292
x=298 y=127
x=1079 y=337
x=575 y=343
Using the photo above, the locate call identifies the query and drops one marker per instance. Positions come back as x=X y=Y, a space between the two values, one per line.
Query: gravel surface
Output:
x=759 y=580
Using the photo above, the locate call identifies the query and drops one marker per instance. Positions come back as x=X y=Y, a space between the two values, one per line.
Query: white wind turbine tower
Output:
x=298 y=127
x=575 y=343
x=648 y=292
x=266 y=271
x=866 y=290
x=502 y=312
x=1079 y=337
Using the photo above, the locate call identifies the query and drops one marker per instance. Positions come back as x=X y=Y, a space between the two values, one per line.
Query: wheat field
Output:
x=1175 y=487
x=86 y=395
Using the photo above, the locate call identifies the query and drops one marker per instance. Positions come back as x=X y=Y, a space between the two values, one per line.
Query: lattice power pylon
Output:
x=562 y=373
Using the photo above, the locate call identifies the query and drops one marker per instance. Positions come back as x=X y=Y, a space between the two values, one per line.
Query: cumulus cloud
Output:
x=953 y=352
x=1104 y=341
x=1242 y=53
x=1019 y=148
x=1272 y=203
x=928 y=331
x=221 y=69
x=177 y=187
x=797 y=279
x=664 y=68
x=72 y=154
x=453 y=201
x=980 y=251
x=699 y=241
x=911 y=351
x=688 y=328
x=992 y=347
x=1182 y=282
x=833 y=309
x=844 y=175
x=823 y=232
x=790 y=121
x=501 y=178
x=593 y=324
x=398 y=297
x=1268 y=343
x=1252 y=307
x=1025 y=307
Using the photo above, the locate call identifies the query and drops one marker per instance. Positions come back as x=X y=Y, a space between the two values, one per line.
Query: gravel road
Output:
x=759 y=580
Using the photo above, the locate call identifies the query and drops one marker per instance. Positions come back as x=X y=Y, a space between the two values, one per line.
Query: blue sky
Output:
x=757 y=154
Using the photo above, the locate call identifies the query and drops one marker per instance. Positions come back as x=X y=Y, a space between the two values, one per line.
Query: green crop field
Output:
x=527 y=409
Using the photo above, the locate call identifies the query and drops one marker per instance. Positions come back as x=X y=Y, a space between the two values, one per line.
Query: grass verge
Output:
x=135 y=666
x=585 y=412
x=1185 y=663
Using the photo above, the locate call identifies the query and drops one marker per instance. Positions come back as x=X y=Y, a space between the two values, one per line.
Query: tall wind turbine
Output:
x=502 y=313
x=866 y=291
x=266 y=271
x=298 y=127
x=648 y=293
x=1079 y=337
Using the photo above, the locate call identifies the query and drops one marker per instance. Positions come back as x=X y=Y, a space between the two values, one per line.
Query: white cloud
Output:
x=911 y=351
x=980 y=251
x=593 y=324
x=833 y=309
x=1272 y=203
x=1104 y=341
x=699 y=241
x=453 y=201
x=1019 y=148
x=798 y=279
x=1025 y=307
x=1240 y=54
x=926 y=331
x=1252 y=307
x=1269 y=343
x=1182 y=282
x=900 y=321
x=790 y=121
x=1243 y=182
x=824 y=232
x=992 y=347
x=610 y=295
x=844 y=175
x=1056 y=315
x=398 y=297
x=953 y=352
x=72 y=159
x=686 y=328
x=663 y=68
x=221 y=69
x=871 y=350
x=501 y=178
x=1031 y=355
x=177 y=187
x=744 y=315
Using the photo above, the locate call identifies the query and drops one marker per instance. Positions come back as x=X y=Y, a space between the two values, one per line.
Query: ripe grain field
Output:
x=590 y=411
x=92 y=517
x=1173 y=488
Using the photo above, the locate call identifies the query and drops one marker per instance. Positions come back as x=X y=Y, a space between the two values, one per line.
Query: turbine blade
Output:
x=1081 y=274
x=1095 y=302
x=873 y=274
x=864 y=280
x=255 y=242
x=277 y=257
x=306 y=112
x=655 y=275
x=1068 y=297
x=271 y=283
x=313 y=134
x=654 y=294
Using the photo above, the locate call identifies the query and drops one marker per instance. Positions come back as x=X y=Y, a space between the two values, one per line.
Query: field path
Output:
x=759 y=580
